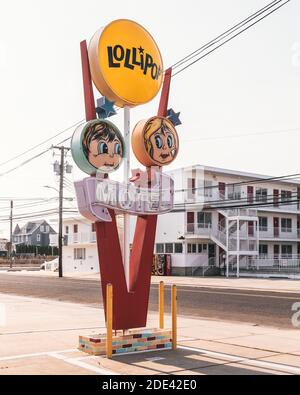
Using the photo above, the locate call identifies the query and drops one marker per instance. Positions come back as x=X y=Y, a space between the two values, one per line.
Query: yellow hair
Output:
x=153 y=126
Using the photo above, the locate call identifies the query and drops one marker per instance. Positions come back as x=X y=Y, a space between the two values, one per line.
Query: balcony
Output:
x=283 y=233
x=242 y=213
x=81 y=238
x=200 y=229
x=245 y=246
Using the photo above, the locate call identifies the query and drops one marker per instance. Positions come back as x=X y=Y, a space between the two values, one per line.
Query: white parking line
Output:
x=80 y=362
x=57 y=355
x=247 y=361
x=38 y=354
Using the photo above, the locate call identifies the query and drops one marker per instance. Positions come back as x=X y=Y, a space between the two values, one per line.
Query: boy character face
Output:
x=161 y=141
x=103 y=146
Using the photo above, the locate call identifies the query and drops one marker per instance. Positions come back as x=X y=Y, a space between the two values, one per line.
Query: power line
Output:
x=29 y=205
x=242 y=135
x=223 y=35
x=207 y=207
x=40 y=144
x=229 y=39
x=275 y=199
x=257 y=180
x=37 y=215
x=24 y=163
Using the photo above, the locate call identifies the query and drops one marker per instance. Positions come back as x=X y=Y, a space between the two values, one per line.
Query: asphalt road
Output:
x=255 y=307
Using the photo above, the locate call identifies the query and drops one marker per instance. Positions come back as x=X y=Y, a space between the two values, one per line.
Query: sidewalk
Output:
x=41 y=337
x=270 y=285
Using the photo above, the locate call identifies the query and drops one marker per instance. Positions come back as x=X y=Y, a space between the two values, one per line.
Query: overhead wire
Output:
x=230 y=38
x=224 y=34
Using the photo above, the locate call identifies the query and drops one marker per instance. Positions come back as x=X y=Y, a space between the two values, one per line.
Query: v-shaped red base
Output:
x=129 y=308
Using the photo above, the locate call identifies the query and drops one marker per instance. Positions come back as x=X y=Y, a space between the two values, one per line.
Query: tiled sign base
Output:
x=132 y=341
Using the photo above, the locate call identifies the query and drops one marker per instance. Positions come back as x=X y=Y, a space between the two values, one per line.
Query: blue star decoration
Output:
x=105 y=108
x=174 y=117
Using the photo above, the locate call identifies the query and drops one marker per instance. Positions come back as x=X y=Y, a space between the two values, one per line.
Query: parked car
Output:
x=51 y=266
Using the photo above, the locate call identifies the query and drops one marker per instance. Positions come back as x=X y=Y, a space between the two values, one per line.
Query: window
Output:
x=169 y=248
x=47 y=228
x=286 y=225
x=42 y=228
x=191 y=187
x=234 y=192
x=263 y=249
x=75 y=228
x=263 y=224
x=178 y=248
x=38 y=237
x=204 y=219
x=286 y=196
x=261 y=195
x=192 y=248
x=276 y=197
x=160 y=248
x=93 y=227
x=208 y=188
x=286 y=251
x=67 y=230
x=204 y=247
x=79 y=254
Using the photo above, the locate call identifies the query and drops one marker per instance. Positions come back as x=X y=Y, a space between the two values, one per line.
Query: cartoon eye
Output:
x=170 y=141
x=158 y=141
x=103 y=149
x=117 y=150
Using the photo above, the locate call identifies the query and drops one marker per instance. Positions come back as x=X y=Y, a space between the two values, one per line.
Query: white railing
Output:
x=81 y=238
x=238 y=212
x=220 y=234
x=271 y=232
x=199 y=229
x=271 y=263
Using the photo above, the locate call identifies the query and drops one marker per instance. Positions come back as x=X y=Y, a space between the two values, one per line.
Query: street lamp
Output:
x=47 y=186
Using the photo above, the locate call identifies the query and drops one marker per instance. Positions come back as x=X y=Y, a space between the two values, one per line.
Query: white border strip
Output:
x=263 y=364
x=78 y=362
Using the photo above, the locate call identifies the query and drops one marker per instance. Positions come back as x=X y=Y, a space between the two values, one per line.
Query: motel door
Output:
x=276 y=251
x=276 y=197
x=251 y=228
x=212 y=254
x=190 y=222
x=276 y=227
x=250 y=194
x=222 y=190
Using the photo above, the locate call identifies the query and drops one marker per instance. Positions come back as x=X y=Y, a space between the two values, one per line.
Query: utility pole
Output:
x=60 y=210
x=11 y=228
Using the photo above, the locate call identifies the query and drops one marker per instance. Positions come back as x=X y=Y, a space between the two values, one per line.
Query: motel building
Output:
x=203 y=235
x=80 y=253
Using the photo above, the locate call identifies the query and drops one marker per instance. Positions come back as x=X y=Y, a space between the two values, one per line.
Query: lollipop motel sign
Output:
x=126 y=67
x=126 y=64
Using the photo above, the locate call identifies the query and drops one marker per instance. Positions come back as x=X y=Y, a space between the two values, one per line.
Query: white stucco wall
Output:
x=89 y=265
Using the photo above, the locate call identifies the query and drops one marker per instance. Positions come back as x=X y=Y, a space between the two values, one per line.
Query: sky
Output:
x=249 y=86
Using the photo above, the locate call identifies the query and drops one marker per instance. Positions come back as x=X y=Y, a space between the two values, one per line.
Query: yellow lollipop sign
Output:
x=126 y=64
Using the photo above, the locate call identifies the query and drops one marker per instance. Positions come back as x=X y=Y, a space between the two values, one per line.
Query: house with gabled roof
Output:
x=33 y=233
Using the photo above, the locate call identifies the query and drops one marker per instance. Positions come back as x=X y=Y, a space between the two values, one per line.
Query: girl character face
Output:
x=103 y=146
x=161 y=141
